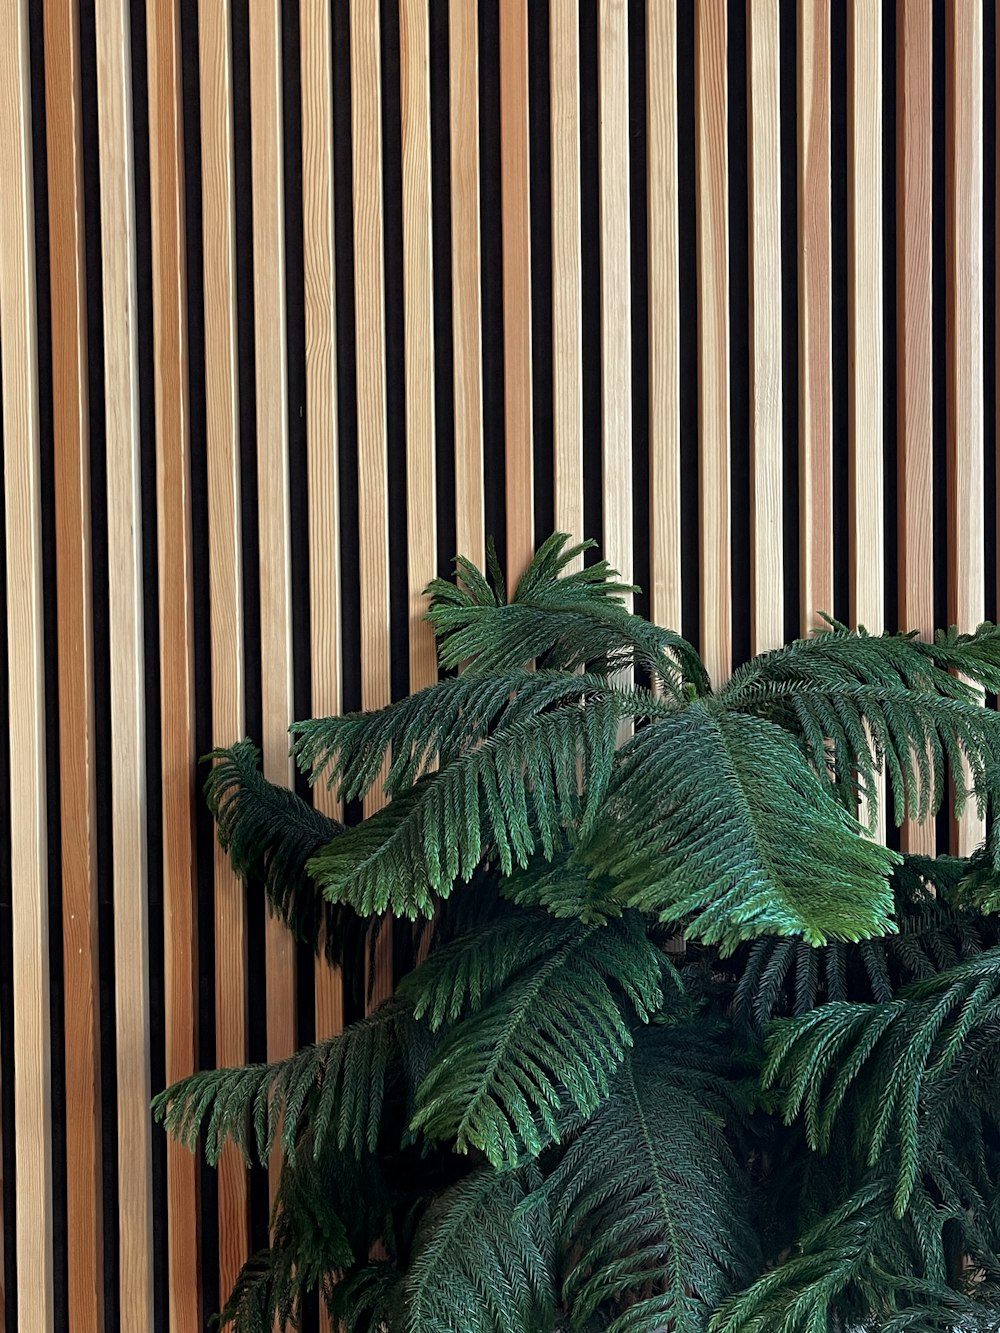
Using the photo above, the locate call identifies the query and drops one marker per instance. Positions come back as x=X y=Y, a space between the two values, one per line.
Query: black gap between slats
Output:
x=687 y=233
x=989 y=303
x=788 y=38
x=444 y=369
x=739 y=342
x=590 y=258
x=491 y=242
x=840 y=322
x=889 y=324
x=639 y=279
x=540 y=163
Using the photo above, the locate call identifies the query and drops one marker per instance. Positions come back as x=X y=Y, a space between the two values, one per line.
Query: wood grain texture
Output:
x=128 y=668
x=369 y=325
x=77 y=795
x=178 y=750
x=712 y=174
x=26 y=679
x=767 y=627
x=664 y=318
x=616 y=285
x=515 y=220
x=815 y=314
x=225 y=574
x=321 y=417
x=418 y=305
x=466 y=281
x=567 y=268
x=966 y=571
x=914 y=334
x=270 y=362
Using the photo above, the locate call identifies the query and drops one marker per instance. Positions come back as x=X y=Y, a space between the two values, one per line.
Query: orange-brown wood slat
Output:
x=914 y=353
x=664 y=318
x=225 y=575
x=616 y=285
x=369 y=311
x=815 y=314
x=567 y=268
x=418 y=305
x=766 y=461
x=712 y=174
x=128 y=667
x=77 y=794
x=516 y=229
x=966 y=571
x=177 y=738
x=270 y=360
x=26 y=675
x=466 y=281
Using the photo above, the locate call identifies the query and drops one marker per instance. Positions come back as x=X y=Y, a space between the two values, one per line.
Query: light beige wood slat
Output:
x=466 y=281
x=711 y=128
x=321 y=417
x=418 y=305
x=225 y=573
x=515 y=220
x=26 y=678
x=815 y=314
x=966 y=574
x=270 y=361
x=567 y=269
x=664 y=318
x=616 y=285
x=71 y=446
x=914 y=355
x=128 y=668
x=177 y=735
x=369 y=312
x=766 y=460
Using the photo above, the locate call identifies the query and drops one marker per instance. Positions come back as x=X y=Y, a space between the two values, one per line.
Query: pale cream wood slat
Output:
x=664 y=318
x=176 y=591
x=515 y=221
x=766 y=460
x=815 y=314
x=26 y=678
x=128 y=667
x=225 y=574
x=966 y=573
x=567 y=269
x=77 y=793
x=466 y=281
x=914 y=350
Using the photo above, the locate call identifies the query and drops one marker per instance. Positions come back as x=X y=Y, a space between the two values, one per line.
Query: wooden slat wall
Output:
x=386 y=178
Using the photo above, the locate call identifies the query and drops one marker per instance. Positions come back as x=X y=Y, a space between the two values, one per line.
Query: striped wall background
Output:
x=297 y=300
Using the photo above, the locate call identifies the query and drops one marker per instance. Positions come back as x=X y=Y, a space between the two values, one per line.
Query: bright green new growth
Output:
x=677 y=1048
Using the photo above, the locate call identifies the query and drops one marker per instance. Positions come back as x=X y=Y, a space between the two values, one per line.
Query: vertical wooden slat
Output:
x=664 y=318
x=71 y=445
x=966 y=573
x=766 y=461
x=225 y=574
x=271 y=366
x=815 y=314
x=567 y=268
x=321 y=416
x=369 y=323
x=616 y=285
x=466 y=281
x=177 y=738
x=25 y=672
x=516 y=229
x=128 y=778
x=914 y=354
x=711 y=119
x=418 y=305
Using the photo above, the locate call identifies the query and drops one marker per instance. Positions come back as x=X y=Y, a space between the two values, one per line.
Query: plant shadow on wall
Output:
x=565 y=1119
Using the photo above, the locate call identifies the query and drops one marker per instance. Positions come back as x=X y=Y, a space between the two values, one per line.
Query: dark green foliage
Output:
x=678 y=1048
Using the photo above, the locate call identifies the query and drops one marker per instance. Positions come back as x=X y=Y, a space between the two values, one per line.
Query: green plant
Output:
x=566 y=1118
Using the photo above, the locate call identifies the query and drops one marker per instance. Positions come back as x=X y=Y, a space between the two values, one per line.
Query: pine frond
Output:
x=561 y=620
x=697 y=829
x=481 y=1260
x=540 y=1055
x=862 y=703
x=651 y=1208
